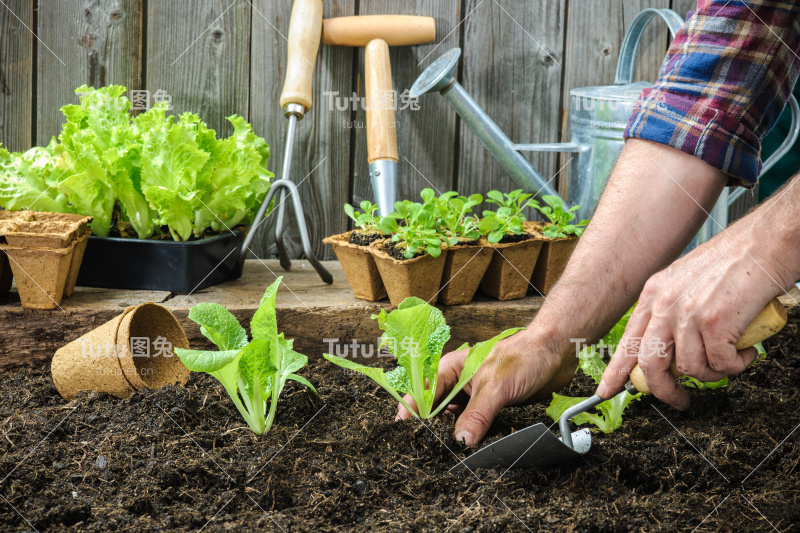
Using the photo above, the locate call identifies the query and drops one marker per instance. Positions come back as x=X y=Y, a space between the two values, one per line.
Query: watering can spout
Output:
x=441 y=76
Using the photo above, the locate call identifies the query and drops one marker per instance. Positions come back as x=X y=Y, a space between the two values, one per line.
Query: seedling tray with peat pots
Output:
x=358 y=264
x=553 y=259
x=419 y=276
x=510 y=270
x=464 y=267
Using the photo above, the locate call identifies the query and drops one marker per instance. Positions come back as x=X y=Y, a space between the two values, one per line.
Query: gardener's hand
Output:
x=518 y=370
x=695 y=310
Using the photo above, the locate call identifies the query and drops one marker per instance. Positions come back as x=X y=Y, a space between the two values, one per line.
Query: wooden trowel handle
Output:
x=305 y=31
x=381 y=127
x=769 y=321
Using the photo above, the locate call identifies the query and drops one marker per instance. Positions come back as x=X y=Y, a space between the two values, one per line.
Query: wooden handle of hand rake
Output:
x=381 y=131
x=305 y=31
x=769 y=321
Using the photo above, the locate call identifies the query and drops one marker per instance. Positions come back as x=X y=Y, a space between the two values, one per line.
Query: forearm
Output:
x=770 y=236
x=649 y=212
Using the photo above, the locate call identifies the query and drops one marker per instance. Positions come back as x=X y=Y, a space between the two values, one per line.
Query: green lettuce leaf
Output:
x=219 y=326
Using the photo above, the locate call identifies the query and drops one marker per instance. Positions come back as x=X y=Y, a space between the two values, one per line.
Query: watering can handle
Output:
x=630 y=44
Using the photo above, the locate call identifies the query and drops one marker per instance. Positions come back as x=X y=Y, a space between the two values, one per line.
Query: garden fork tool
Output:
x=537 y=446
x=376 y=33
x=305 y=29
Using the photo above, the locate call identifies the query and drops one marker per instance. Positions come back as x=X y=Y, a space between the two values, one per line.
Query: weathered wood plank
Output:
x=93 y=42
x=309 y=311
x=654 y=41
x=512 y=67
x=425 y=136
x=322 y=141
x=198 y=52
x=316 y=315
x=682 y=7
x=16 y=75
x=595 y=30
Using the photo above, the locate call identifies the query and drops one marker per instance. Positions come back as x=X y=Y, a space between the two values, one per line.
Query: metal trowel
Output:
x=537 y=446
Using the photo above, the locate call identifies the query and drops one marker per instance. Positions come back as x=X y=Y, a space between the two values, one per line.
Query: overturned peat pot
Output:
x=181 y=459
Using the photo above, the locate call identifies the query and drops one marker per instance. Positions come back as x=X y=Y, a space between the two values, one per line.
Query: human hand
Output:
x=693 y=312
x=519 y=369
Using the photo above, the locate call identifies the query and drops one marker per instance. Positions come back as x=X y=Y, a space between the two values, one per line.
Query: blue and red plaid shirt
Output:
x=723 y=84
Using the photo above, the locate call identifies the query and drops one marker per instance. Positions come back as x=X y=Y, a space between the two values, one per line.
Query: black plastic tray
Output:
x=143 y=264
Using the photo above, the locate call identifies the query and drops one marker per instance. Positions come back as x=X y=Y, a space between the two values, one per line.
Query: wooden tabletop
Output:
x=316 y=315
x=309 y=311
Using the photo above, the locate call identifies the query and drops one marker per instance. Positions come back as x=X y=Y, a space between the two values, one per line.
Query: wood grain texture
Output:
x=198 y=52
x=425 y=136
x=321 y=158
x=512 y=66
x=654 y=41
x=309 y=311
x=595 y=30
x=16 y=75
x=93 y=42
x=682 y=7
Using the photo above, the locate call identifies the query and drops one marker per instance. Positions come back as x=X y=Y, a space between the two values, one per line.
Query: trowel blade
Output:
x=533 y=446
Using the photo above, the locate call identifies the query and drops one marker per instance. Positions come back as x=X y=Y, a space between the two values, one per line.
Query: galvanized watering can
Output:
x=598 y=120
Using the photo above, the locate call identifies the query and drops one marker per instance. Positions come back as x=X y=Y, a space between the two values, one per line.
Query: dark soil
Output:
x=396 y=252
x=182 y=459
x=509 y=238
x=361 y=238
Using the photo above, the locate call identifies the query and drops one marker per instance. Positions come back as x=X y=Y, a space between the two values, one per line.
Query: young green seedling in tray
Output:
x=508 y=218
x=560 y=220
x=253 y=373
x=416 y=333
x=367 y=220
x=418 y=229
x=455 y=219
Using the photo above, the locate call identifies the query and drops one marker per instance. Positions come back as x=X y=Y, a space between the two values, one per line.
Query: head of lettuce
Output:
x=152 y=174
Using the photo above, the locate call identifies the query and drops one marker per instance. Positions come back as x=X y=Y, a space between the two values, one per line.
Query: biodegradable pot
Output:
x=420 y=276
x=5 y=274
x=44 y=230
x=552 y=261
x=41 y=274
x=464 y=268
x=102 y=361
x=511 y=267
x=75 y=264
x=359 y=267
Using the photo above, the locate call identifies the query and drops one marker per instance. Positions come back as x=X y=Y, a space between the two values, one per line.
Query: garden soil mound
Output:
x=182 y=459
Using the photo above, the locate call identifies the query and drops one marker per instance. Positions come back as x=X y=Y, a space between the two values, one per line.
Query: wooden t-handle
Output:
x=381 y=126
x=769 y=321
x=305 y=30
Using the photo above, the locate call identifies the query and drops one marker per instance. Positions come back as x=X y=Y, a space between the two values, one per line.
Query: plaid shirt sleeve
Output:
x=723 y=84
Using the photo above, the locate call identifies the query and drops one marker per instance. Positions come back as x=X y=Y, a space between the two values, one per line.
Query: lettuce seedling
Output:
x=609 y=417
x=694 y=383
x=416 y=333
x=453 y=213
x=417 y=229
x=560 y=220
x=367 y=220
x=508 y=218
x=253 y=373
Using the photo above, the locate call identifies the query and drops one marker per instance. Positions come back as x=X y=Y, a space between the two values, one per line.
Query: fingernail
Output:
x=465 y=437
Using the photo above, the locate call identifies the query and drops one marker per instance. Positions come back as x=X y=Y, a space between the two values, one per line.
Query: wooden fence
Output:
x=219 y=57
